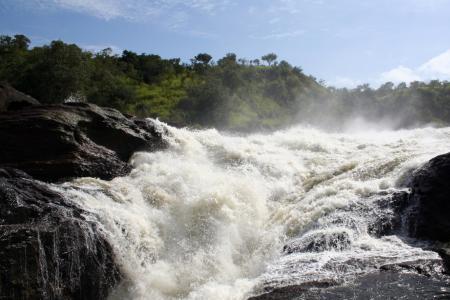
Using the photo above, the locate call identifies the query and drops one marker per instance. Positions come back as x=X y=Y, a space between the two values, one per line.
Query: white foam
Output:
x=208 y=217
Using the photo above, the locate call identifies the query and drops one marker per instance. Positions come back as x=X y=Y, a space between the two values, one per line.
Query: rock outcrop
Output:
x=49 y=248
x=57 y=142
x=403 y=281
x=11 y=99
x=428 y=216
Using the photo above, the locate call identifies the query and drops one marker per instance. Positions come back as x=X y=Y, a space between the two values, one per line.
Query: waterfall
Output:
x=220 y=216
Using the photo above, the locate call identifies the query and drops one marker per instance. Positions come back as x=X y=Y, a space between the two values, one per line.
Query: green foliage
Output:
x=13 y=51
x=269 y=58
x=232 y=94
x=50 y=73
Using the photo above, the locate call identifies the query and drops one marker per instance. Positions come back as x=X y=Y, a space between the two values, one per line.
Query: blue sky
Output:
x=344 y=42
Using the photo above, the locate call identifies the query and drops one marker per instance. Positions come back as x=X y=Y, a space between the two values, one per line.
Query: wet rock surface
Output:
x=11 y=99
x=377 y=285
x=444 y=253
x=427 y=216
x=49 y=247
x=391 y=220
x=429 y=211
x=420 y=217
x=318 y=242
x=57 y=142
x=293 y=292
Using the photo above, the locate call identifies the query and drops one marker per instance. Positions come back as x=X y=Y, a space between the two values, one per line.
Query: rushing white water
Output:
x=208 y=217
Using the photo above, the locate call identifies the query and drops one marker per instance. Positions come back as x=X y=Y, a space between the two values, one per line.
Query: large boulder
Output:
x=428 y=216
x=11 y=99
x=49 y=247
x=57 y=142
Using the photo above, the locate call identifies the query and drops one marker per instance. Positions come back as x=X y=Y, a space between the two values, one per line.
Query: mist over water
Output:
x=208 y=218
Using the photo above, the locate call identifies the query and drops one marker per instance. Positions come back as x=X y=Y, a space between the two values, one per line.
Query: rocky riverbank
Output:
x=49 y=247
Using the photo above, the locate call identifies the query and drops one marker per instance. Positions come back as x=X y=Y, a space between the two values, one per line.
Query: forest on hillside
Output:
x=231 y=93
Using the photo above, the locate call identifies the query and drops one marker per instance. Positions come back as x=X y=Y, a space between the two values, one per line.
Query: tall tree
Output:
x=270 y=58
x=55 y=72
x=203 y=58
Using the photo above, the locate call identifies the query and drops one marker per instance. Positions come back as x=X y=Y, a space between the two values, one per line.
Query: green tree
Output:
x=270 y=58
x=203 y=58
x=55 y=72
x=13 y=51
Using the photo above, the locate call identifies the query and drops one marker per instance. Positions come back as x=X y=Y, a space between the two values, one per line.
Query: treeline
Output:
x=397 y=106
x=230 y=93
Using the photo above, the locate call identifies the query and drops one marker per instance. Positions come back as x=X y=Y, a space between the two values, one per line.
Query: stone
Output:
x=49 y=247
x=58 y=142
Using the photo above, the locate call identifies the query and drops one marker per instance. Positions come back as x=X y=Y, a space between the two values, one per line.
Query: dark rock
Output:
x=429 y=268
x=429 y=210
x=48 y=247
x=444 y=253
x=390 y=219
x=11 y=99
x=418 y=279
x=293 y=291
x=58 y=142
x=376 y=285
x=318 y=242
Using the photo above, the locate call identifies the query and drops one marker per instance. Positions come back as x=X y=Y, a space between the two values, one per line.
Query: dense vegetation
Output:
x=232 y=93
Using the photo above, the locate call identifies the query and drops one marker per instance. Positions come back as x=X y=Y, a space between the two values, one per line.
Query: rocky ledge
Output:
x=57 y=142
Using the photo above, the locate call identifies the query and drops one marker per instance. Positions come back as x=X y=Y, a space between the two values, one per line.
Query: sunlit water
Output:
x=208 y=217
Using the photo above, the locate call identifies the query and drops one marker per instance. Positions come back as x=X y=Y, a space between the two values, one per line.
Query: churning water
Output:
x=209 y=217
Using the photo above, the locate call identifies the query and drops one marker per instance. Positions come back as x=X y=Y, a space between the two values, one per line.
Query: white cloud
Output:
x=400 y=74
x=278 y=35
x=285 y=7
x=201 y=34
x=135 y=10
x=436 y=68
x=292 y=6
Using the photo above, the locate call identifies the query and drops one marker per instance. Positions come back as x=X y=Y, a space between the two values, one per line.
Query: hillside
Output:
x=231 y=93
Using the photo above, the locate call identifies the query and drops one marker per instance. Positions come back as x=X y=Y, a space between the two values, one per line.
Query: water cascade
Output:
x=221 y=216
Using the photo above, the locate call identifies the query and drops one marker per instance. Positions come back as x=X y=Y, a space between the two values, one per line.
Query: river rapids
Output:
x=215 y=215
